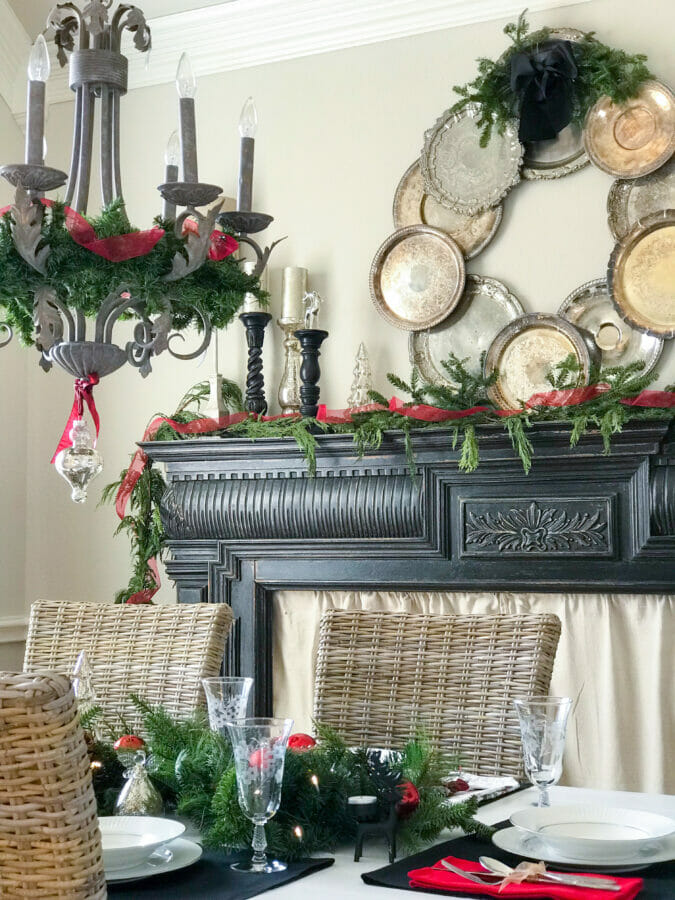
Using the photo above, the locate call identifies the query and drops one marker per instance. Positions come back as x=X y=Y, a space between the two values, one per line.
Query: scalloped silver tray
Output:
x=413 y=206
x=590 y=307
x=417 y=277
x=485 y=308
x=458 y=172
x=524 y=352
x=630 y=200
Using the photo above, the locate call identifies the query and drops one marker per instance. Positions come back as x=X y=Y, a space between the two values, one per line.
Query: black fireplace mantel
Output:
x=244 y=519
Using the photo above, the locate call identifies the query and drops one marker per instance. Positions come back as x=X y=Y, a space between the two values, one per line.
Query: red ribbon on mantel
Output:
x=84 y=393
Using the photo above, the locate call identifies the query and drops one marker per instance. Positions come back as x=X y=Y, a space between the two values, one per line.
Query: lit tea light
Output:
x=95 y=764
x=315 y=781
x=364 y=807
x=298 y=832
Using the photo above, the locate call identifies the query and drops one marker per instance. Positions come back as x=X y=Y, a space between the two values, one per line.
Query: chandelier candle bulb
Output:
x=38 y=73
x=171 y=159
x=186 y=84
x=248 y=125
x=293 y=290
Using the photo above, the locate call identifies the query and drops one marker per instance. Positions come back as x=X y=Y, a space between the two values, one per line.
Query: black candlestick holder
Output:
x=255 y=324
x=310 y=372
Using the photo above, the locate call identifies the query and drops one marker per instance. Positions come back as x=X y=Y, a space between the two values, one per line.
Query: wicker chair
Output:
x=160 y=653
x=50 y=845
x=382 y=677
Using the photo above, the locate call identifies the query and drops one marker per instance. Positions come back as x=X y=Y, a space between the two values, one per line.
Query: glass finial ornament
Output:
x=363 y=379
x=83 y=683
x=139 y=796
x=81 y=462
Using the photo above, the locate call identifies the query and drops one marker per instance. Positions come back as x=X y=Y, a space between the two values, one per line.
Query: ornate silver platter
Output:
x=459 y=173
x=525 y=351
x=590 y=307
x=565 y=153
x=641 y=274
x=634 y=138
x=485 y=308
x=631 y=200
x=417 y=277
x=413 y=206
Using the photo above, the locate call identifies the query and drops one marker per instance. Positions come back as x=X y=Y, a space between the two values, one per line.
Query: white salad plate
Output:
x=182 y=853
x=531 y=846
x=129 y=840
x=589 y=832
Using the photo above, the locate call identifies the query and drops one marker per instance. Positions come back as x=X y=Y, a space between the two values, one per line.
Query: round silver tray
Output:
x=417 y=277
x=524 y=352
x=460 y=173
x=630 y=200
x=413 y=206
x=485 y=308
x=590 y=307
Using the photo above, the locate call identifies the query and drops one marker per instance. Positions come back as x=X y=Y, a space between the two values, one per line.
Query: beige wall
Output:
x=336 y=133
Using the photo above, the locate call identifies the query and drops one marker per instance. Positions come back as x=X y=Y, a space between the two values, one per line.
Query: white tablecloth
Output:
x=342 y=881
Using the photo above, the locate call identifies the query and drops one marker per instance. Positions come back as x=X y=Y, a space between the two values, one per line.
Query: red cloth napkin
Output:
x=439 y=879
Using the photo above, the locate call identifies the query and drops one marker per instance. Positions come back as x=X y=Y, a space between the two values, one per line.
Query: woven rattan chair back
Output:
x=160 y=653
x=50 y=845
x=381 y=678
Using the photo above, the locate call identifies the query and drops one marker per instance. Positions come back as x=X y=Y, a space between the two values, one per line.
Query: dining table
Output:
x=342 y=881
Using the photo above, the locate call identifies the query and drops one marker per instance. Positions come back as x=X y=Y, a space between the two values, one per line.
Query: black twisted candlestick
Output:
x=255 y=324
x=310 y=342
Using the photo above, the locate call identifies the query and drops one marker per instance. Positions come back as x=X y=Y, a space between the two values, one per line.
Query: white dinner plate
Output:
x=530 y=846
x=128 y=840
x=184 y=853
x=588 y=831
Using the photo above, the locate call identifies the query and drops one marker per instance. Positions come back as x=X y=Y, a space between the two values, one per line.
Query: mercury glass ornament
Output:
x=81 y=462
x=139 y=796
x=363 y=379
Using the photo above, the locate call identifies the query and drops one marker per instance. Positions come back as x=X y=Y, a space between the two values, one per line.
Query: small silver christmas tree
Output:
x=363 y=379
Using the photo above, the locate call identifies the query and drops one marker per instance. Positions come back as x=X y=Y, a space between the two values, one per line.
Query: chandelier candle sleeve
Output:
x=38 y=73
x=171 y=160
x=248 y=125
x=186 y=85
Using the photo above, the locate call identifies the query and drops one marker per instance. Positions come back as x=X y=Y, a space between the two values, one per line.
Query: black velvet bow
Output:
x=543 y=81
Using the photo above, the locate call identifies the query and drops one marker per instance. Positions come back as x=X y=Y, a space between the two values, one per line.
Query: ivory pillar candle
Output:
x=293 y=290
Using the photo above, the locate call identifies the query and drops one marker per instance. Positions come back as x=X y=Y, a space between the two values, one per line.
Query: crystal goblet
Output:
x=259 y=748
x=227 y=700
x=543 y=723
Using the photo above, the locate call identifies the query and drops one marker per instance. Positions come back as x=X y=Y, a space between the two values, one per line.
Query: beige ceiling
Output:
x=33 y=13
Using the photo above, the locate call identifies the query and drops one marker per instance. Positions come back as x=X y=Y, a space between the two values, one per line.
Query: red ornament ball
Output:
x=129 y=742
x=300 y=742
x=261 y=758
x=410 y=800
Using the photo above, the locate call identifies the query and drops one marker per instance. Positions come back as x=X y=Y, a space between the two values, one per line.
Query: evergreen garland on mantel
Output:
x=605 y=414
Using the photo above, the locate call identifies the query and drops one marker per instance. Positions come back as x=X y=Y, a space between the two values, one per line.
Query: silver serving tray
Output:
x=485 y=308
x=590 y=307
x=413 y=206
x=524 y=352
x=630 y=200
x=458 y=172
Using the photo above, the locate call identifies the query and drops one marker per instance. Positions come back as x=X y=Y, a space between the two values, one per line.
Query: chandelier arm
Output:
x=107 y=151
x=80 y=325
x=111 y=309
x=117 y=165
x=197 y=245
x=206 y=322
x=75 y=155
x=45 y=298
x=86 y=146
x=134 y=22
x=10 y=334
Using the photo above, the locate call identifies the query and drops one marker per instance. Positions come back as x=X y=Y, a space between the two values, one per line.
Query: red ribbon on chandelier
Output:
x=84 y=393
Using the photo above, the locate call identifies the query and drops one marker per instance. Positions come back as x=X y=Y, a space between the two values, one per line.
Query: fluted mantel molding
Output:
x=244 y=519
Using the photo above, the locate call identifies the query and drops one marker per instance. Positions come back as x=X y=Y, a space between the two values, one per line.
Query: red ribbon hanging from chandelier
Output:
x=84 y=393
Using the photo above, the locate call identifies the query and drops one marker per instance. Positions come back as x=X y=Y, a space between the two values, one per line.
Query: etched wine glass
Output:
x=227 y=700
x=543 y=723
x=259 y=747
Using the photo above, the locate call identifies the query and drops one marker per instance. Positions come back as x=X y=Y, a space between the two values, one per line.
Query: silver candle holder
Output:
x=289 y=386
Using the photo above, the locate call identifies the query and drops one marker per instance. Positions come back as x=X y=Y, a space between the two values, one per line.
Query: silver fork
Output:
x=487 y=878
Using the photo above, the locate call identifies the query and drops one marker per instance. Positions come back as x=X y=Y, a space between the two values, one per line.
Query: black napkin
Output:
x=211 y=878
x=659 y=880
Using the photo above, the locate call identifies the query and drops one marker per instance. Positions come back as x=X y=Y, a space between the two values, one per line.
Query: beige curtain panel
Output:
x=615 y=659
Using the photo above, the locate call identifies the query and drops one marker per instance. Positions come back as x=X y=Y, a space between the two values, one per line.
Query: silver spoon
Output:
x=599 y=882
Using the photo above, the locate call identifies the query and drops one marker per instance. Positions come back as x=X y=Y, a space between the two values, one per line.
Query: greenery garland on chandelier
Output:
x=593 y=71
x=604 y=413
x=193 y=769
x=83 y=279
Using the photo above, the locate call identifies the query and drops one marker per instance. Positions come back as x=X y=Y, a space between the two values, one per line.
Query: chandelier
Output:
x=169 y=258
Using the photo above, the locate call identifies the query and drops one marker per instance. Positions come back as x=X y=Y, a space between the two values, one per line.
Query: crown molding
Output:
x=13 y=629
x=14 y=49
x=238 y=35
